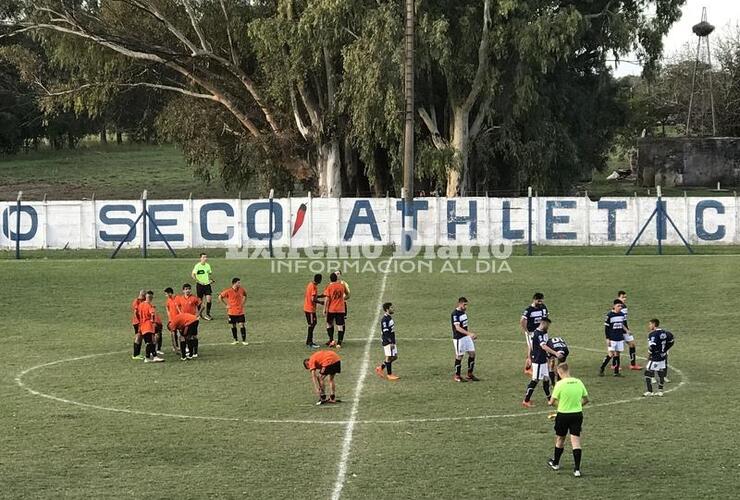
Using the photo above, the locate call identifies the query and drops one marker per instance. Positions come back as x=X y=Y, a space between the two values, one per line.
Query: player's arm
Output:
x=550 y=350
x=221 y=299
x=626 y=328
x=584 y=401
x=244 y=297
x=523 y=324
x=192 y=274
x=346 y=290
x=467 y=333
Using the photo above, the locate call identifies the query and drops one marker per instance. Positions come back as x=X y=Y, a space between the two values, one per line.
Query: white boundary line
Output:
x=19 y=381
x=348 y=433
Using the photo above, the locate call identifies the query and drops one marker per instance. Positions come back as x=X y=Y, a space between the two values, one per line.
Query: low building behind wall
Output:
x=688 y=161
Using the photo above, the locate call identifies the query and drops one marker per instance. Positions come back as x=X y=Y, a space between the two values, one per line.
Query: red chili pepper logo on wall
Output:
x=300 y=216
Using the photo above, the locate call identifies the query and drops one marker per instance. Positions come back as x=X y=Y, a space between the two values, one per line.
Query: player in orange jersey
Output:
x=334 y=310
x=172 y=311
x=147 y=317
x=187 y=302
x=234 y=298
x=310 y=299
x=135 y=323
x=324 y=364
x=186 y=326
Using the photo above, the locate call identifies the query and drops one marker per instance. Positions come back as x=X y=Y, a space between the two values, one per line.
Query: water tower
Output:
x=702 y=67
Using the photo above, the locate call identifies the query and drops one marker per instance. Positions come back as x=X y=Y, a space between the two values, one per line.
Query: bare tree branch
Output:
x=431 y=124
x=196 y=26
x=232 y=52
x=483 y=53
x=481 y=116
x=303 y=129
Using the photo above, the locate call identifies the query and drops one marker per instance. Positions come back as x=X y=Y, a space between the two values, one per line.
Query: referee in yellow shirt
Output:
x=202 y=275
x=569 y=397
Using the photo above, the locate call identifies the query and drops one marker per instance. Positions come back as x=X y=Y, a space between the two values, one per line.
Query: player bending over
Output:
x=186 y=326
x=615 y=326
x=659 y=342
x=538 y=355
x=462 y=340
x=560 y=345
x=388 y=339
x=323 y=364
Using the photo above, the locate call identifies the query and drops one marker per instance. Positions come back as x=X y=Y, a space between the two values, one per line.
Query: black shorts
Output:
x=236 y=319
x=158 y=328
x=202 y=290
x=332 y=369
x=310 y=318
x=148 y=338
x=568 y=422
x=136 y=329
x=191 y=329
x=335 y=318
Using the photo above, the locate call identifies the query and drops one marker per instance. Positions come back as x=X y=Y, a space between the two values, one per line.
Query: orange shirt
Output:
x=312 y=291
x=234 y=300
x=135 y=311
x=335 y=298
x=171 y=305
x=322 y=359
x=147 y=312
x=181 y=320
x=188 y=304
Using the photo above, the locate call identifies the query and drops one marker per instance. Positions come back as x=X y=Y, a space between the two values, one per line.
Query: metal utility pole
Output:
x=408 y=143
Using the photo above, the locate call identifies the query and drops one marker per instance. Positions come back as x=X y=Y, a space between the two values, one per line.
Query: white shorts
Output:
x=463 y=345
x=628 y=338
x=616 y=346
x=390 y=350
x=540 y=371
x=655 y=366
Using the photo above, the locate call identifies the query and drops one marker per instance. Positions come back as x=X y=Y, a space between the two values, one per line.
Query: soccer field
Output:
x=80 y=418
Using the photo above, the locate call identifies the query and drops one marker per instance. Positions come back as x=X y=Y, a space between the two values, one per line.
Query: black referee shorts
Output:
x=568 y=422
x=202 y=290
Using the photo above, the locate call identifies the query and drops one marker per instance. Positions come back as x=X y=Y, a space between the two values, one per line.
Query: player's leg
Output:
x=546 y=381
x=389 y=363
x=527 y=360
x=243 y=329
x=649 y=375
x=209 y=299
x=665 y=370
x=633 y=354
x=232 y=323
x=471 y=366
x=330 y=328
x=332 y=389
x=339 y=321
x=536 y=367
x=137 y=344
x=616 y=359
x=551 y=372
x=459 y=352
x=311 y=322
x=158 y=338
x=607 y=358
x=183 y=346
x=560 y=433
x=576 y=423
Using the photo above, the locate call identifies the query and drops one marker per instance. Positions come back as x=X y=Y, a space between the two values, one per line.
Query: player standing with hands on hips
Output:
x=659 y=342
x=462 y=339
x=202 y=275
x=388 y=339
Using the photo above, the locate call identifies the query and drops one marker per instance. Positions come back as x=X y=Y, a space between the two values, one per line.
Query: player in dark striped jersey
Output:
x=462 y=340
x=388 y=339
x=531 y=317
x=615 y=326
x=538 y=354
x=628 y=338
x=659 y=342
x=557 y=344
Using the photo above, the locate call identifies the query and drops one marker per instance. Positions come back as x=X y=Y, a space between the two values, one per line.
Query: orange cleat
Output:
x=379 y=371
x=458 y=378
x=527 y=404
x=393 y=377
x=332 y=344
x=635 y=367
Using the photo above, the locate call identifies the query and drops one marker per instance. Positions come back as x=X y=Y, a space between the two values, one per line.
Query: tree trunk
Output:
x=351 y=168
x=103 y=135
x=457 y=176
x=330 y=176
x=119 y=137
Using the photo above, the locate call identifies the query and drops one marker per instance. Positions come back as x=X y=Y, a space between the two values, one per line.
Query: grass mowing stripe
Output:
x=347 y=441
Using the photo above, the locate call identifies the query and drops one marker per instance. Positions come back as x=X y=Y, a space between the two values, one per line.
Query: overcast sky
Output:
x=721 y=13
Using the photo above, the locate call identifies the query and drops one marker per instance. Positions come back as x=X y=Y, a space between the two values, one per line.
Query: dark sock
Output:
x=233 y=333
x=458 y=367
x=388 y=368
x=340 y=335
x=661 y=379
x=471 y=365
x=530 y=389
x=665 y=370
x=330 y=333
x=614 y=361
x=606 y=362
x=159 y=343
x=546 y=387
x=208 y=308
x=577 y=459
x=309 y=336
x=150 y=350
x=616 y=364
x=243 y=331
x=649 y=381
x=552 y=378
x=137 y=349
x=557 y=454
x=194 y=348
x=182 y=349
x=633 y=355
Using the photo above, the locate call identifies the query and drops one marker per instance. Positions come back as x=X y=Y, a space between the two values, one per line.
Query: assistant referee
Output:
x=569 y=397
x=202 y=275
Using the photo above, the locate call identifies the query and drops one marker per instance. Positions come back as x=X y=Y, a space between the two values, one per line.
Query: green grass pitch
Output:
x=253 y=431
